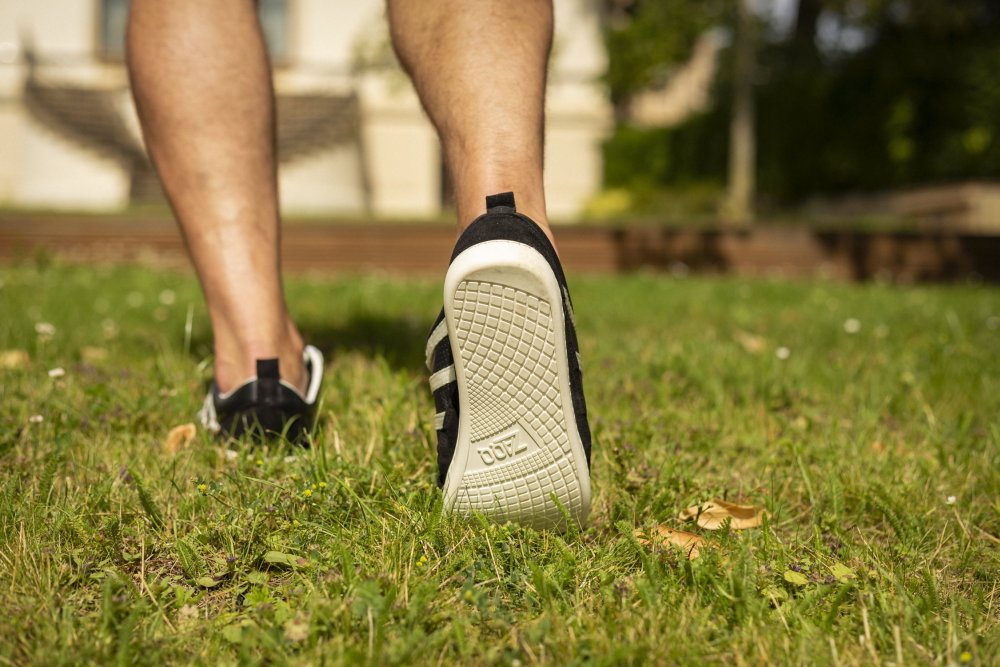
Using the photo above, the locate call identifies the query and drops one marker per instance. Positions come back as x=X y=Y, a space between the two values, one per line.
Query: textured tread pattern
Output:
x=506 y=340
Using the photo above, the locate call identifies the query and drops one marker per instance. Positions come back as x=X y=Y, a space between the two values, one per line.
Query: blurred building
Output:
x=352 y=135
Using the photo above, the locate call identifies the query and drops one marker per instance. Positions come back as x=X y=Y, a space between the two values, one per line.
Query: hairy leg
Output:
x=479 y=68
x=202 y=85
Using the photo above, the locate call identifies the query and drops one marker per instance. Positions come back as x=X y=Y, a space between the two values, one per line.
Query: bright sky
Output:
x=780 y=13
x=831 y=33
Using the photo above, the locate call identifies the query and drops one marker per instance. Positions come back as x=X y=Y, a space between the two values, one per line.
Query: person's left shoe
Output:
x=265 y=406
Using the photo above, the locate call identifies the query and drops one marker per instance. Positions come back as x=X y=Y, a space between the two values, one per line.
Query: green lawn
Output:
x=877 y=451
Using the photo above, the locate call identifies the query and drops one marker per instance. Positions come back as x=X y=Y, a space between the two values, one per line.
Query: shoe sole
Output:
x=518 y=454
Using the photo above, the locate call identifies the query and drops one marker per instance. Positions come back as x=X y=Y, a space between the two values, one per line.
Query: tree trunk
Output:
x=742 y=142
x=806 y=17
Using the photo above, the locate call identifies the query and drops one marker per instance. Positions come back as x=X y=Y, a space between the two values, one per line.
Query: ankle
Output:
x=236 y=361
x=533 y=207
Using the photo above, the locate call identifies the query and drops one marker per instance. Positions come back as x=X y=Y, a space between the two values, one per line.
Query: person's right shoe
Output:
x=513 y=438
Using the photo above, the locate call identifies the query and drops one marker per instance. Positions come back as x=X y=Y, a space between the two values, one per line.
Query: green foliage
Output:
x=916 y=106
x=918 y=103
x=645 y=39
x=876 y=452
x=670 y=172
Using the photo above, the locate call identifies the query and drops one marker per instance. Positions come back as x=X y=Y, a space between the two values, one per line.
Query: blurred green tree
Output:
x=647 y=39
x=856 y=95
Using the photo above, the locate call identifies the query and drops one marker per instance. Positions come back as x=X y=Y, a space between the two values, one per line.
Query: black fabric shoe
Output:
x=266 y=406
x=513 y=438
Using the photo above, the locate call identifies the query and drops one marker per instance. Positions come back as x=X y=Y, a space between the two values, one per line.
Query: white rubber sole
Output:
x=518 y=456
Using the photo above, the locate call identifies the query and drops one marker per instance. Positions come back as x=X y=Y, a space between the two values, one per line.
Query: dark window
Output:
x=114 y=14
x=273 y=20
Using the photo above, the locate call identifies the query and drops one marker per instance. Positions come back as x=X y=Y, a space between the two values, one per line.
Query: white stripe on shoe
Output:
x=442 y=377
x=438 y=335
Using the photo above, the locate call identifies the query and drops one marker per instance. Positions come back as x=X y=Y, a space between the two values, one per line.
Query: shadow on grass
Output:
x=398 y=340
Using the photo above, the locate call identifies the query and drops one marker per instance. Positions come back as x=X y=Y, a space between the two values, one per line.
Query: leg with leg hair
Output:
x=202 y=85
x=513 y=440
x=479 y=68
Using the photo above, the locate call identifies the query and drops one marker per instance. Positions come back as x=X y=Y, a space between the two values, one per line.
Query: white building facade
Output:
x=69 y=137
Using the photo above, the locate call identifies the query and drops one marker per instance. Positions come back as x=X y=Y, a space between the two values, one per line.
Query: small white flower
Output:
x=168 y=297
x=951 y=500
x=57 y=372
x=44 y=329
x=135 y=299
x=36 y=419
x=782 y=353
x=232 y=455
x=291 y=459
x=852 y=326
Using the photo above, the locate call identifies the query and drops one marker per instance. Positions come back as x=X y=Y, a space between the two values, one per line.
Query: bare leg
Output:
x=202 y=86
x=479 y=68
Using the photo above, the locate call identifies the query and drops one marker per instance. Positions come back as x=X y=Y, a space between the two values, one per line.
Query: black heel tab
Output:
x=268 y=379
x=503 y=200
x=502 y=222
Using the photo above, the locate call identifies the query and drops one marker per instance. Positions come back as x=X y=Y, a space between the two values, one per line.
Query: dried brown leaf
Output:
x=714 y=515
x=14 y=359
x=178 y=438
x=297 y=628
x=663 y=536
x=752 y=343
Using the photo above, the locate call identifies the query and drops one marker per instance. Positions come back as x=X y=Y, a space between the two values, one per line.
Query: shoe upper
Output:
x=500 y=222
x=265 y=406
x=439 y=358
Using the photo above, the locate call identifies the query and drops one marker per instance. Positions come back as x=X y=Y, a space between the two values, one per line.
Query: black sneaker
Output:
x=513 y=439
x=266 y=406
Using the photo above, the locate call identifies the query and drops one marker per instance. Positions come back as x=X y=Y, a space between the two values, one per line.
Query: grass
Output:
x=877 y=451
